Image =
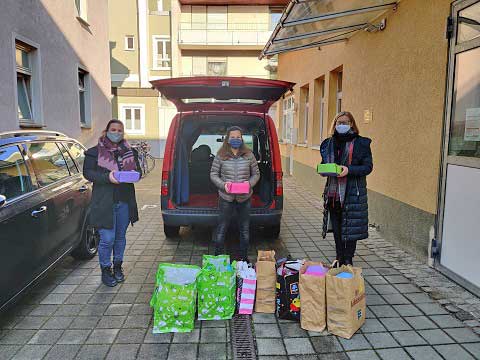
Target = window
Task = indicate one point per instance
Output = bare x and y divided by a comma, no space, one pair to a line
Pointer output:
469,23
130,43
161,53
84,97
81,9
14,178
160,5
319,111
70,164
275,15
217,66
77,153
287,118
133,117
48,162
305,94
339,91
25,90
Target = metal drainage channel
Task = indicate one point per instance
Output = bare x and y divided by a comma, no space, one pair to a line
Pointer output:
242,339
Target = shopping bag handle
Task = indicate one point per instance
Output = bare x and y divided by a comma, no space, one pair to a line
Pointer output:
335,262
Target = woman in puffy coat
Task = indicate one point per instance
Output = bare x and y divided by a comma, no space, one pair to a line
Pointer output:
345,195
234,163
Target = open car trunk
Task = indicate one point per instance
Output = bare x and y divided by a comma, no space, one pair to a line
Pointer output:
199,138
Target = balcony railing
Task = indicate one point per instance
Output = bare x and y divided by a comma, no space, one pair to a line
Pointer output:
223,34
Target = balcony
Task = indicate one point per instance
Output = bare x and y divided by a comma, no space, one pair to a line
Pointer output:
239,36
235,2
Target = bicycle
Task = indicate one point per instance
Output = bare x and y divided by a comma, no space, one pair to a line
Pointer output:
146,160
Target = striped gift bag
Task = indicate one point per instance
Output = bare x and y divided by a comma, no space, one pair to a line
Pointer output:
246,286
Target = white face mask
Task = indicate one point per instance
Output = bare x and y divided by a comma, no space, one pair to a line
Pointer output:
342,128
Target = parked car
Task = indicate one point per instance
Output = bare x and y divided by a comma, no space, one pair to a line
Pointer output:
44,202
206,107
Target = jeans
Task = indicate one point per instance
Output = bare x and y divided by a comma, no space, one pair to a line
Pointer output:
345,249
114,239
227,209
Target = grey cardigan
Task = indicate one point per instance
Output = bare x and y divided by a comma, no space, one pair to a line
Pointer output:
239,168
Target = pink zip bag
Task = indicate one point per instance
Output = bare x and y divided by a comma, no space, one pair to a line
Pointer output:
238,188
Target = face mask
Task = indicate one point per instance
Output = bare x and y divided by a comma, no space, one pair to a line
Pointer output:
342,129
115,137
235,143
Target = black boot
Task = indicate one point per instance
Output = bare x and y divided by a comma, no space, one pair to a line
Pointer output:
348,261
118,271
107,277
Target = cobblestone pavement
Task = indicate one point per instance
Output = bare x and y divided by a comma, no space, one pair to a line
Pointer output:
413,311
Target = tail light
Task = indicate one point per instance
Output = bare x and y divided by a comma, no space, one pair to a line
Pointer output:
165,176
279,184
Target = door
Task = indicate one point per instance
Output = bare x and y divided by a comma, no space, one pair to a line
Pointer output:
23,223
460,198
222,93
62,195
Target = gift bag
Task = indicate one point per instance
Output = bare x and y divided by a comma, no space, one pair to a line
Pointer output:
246,285
174,298
287,290
346,303
312,291
266,278
216,288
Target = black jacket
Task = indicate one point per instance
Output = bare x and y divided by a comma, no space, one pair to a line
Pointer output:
101,206
355,209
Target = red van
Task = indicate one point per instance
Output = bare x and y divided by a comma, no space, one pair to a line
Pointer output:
206,107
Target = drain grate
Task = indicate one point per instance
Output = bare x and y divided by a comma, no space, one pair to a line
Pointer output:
242,338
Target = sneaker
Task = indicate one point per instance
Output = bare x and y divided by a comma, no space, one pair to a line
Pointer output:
107,277
118,271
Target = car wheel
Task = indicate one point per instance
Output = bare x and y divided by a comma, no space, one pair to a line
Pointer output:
171,231
272,232
88,246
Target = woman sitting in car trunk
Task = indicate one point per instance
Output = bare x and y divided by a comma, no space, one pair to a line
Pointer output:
113,206
234,163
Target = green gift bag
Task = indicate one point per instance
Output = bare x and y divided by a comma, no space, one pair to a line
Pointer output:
216,288
174,299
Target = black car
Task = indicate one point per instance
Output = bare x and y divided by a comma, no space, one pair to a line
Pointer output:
44,202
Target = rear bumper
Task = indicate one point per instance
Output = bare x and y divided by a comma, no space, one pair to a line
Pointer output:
209,217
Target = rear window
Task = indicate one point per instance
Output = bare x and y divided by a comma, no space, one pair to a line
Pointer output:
14,178
223,101
48,163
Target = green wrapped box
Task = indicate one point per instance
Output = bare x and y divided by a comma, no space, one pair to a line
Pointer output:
329,169
216,288
174,299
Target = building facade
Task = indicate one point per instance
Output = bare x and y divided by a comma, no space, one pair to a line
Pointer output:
55,70
152,40
415,93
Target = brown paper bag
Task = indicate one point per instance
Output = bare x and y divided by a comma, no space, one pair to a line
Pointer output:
266,280
346,303
312,299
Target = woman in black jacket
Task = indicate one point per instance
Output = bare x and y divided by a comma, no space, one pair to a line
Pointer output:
113,206
345,196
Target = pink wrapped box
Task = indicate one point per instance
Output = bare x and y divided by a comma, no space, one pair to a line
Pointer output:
238,188
127,176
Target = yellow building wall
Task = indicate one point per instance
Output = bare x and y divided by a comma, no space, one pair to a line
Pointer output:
399,74
122,22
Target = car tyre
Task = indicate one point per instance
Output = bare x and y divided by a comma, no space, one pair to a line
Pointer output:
88,246
171,231
272,232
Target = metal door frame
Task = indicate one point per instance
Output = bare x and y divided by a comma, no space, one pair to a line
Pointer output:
453,50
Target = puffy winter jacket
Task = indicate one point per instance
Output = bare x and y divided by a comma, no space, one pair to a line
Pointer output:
355,208
232,168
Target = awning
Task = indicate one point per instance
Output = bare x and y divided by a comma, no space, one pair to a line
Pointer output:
311,23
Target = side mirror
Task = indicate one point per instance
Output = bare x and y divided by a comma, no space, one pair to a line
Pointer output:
3,200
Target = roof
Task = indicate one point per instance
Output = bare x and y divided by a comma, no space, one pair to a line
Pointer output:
11,137
313,23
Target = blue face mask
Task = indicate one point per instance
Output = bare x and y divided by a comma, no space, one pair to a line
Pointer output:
114,137
342,129
235,143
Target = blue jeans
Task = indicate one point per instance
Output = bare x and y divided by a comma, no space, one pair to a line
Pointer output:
114,239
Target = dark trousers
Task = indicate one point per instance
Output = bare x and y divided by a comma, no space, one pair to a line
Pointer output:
345,249
227,210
